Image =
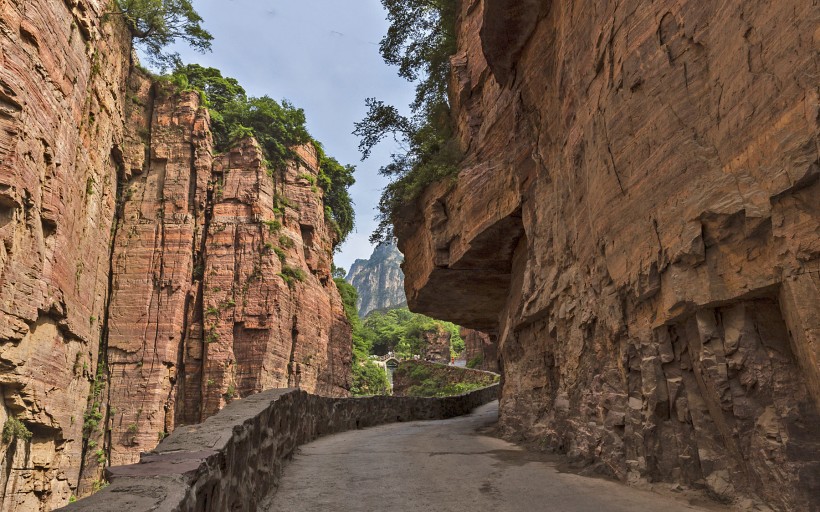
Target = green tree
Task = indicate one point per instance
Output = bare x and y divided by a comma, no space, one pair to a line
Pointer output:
402,332
222,94
221,91
368,377
156,24
420,41
336,180
338,272
277,127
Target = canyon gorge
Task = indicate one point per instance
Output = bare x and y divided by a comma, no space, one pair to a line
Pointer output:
637,220
632,242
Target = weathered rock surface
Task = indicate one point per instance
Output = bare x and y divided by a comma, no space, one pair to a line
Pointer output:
62,89
221,278
379,280
637,220
480,350
436,345
145,282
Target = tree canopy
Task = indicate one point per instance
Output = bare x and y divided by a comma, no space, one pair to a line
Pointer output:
402,332
156,24
420,40
336,180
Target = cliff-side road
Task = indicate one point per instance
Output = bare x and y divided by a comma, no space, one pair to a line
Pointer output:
445,466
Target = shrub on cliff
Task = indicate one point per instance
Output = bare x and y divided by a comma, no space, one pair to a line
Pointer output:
420,41
15,429
278,127
156,24
222,94
336,180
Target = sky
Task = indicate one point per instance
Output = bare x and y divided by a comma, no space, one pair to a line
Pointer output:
322,56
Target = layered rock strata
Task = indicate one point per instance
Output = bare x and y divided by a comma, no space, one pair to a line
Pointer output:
145,281
62,91
222,278
379,280
637,220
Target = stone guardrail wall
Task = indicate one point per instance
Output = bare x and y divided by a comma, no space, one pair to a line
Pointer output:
233,460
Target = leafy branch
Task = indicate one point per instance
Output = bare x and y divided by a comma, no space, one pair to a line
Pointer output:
156,24
420,40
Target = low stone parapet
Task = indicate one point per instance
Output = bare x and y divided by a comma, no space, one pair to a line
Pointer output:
235,458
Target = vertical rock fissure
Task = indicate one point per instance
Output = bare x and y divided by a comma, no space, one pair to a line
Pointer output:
159,282
200,303
209,212
102,363
609,151
293,378
187,315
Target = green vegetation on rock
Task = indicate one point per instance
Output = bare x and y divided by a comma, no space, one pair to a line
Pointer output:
420,41
420,378
399,331
402,332
292,275
278,127
368,377
15,429
476,361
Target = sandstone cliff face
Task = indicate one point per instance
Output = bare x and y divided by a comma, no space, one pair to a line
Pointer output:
221,275
62,78
638,221
480,350
144,281
379,280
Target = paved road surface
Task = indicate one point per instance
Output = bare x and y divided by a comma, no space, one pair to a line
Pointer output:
444,466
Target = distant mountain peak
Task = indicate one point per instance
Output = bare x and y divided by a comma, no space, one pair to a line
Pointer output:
379,280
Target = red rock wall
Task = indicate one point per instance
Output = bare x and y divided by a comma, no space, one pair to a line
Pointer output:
156,246
200,312
480,349
140,283
639,201
62,78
